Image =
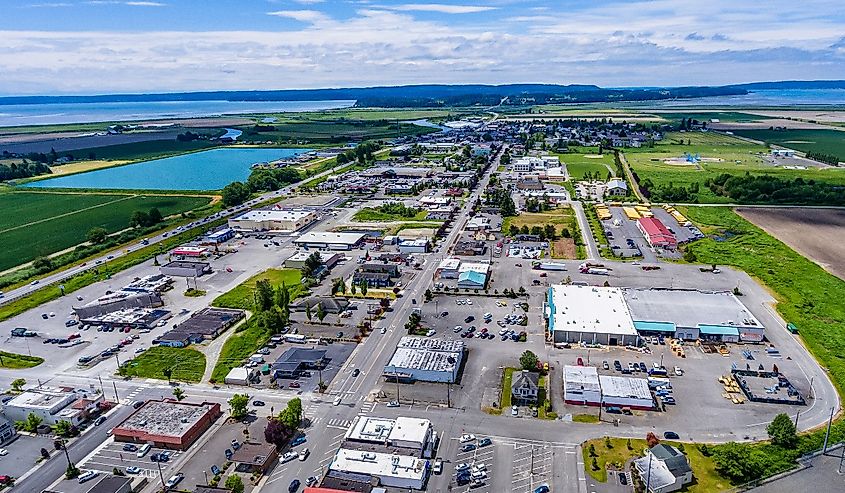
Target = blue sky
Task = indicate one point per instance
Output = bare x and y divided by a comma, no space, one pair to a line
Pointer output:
103,46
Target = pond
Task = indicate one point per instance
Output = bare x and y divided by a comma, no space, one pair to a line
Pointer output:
206,170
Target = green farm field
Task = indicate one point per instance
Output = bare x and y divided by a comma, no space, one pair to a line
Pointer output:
736,157
823,141
45,223
332,131
141,151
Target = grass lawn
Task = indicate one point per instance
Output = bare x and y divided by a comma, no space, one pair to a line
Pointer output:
560,217
62,220
816,140
368,214
579,164
241,297
18,361
507,378
705,477
187,365
736,157
585,418
246,341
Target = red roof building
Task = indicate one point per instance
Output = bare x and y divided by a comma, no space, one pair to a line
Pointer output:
656,233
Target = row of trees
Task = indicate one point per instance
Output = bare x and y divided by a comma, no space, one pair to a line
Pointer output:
146,219
282,427
272,306
502,199
774,190
669,192
25,169
546,232
822,157
260,180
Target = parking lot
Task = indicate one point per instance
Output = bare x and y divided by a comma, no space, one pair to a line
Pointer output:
113,455
23,452
619,229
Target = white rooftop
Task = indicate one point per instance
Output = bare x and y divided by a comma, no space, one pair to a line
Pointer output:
369,429
327,237
48,399
414,430
596,309
581,378
379,465
449,264
612,386
274,215
482,267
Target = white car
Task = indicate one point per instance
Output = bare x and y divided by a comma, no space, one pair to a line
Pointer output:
288,456
678,371
174,480
479,467
4,451
467,437
393,404
337,401
140,350
304,454
514,411
383,330
438,466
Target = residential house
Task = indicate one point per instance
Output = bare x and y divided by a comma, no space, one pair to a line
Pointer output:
616,187
525,387
373,279
664,468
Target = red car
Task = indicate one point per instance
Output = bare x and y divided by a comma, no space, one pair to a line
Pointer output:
294,385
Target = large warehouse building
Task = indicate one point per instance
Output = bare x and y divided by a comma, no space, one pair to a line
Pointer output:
281,220
331,241
589,314
617,316
426,359
656,233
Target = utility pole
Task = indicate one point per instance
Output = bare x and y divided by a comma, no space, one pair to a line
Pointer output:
827,433
116,398
161,477
100,378
796,419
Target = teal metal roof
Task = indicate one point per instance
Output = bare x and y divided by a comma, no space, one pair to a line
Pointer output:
721,330
472,276
655,326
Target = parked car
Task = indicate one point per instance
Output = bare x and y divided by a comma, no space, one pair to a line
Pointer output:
130,448
356,372
215,470
298,441
293,486
438,466
467,437
514,411
304,454
99,421
485,442
133,470
257,403
311,481
288,456
543,488
87,476
174,480
605,365
468,447
393,404
670,435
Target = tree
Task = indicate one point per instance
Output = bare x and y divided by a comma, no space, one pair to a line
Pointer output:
353,289
234,483
312,263
364,287
238,404
33,421
178,393
308,314
592,450
782,431
97,235
235,193
17,384
155,216
321,313
651,439
168,373
428,295
42,264
71,472
291,416
738,462
276,432
65,429
263,295
139,218
528,361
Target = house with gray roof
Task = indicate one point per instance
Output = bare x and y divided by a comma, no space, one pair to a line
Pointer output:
664,469
525,386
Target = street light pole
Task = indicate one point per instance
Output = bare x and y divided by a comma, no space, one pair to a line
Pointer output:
161,477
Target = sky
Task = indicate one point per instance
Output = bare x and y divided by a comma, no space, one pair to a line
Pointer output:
116,46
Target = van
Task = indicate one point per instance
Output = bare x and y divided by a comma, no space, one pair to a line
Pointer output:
88,476
143,450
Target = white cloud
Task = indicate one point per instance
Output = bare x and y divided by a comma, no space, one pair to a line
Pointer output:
441,8
662,42
310,16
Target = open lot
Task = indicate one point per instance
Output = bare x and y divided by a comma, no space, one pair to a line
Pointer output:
62,220
815,233
113,456
809,140
583,161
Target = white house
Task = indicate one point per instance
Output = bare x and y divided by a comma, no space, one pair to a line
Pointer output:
664,469
616,187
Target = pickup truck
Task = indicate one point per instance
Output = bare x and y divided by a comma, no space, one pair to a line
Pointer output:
22,332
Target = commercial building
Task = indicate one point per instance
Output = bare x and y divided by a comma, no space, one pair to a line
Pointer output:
656,233
295,360
219,236
327,259
419,245
7,431
117,302
330,241
478,223
185,268
403,436
392,471
692,314
470,248
209,323
448,268
426,359
190,251
329,304
529,164
665,467
254,457
626,392
589,314
168,424
581,385
373,279
280,220
47,403
471,280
